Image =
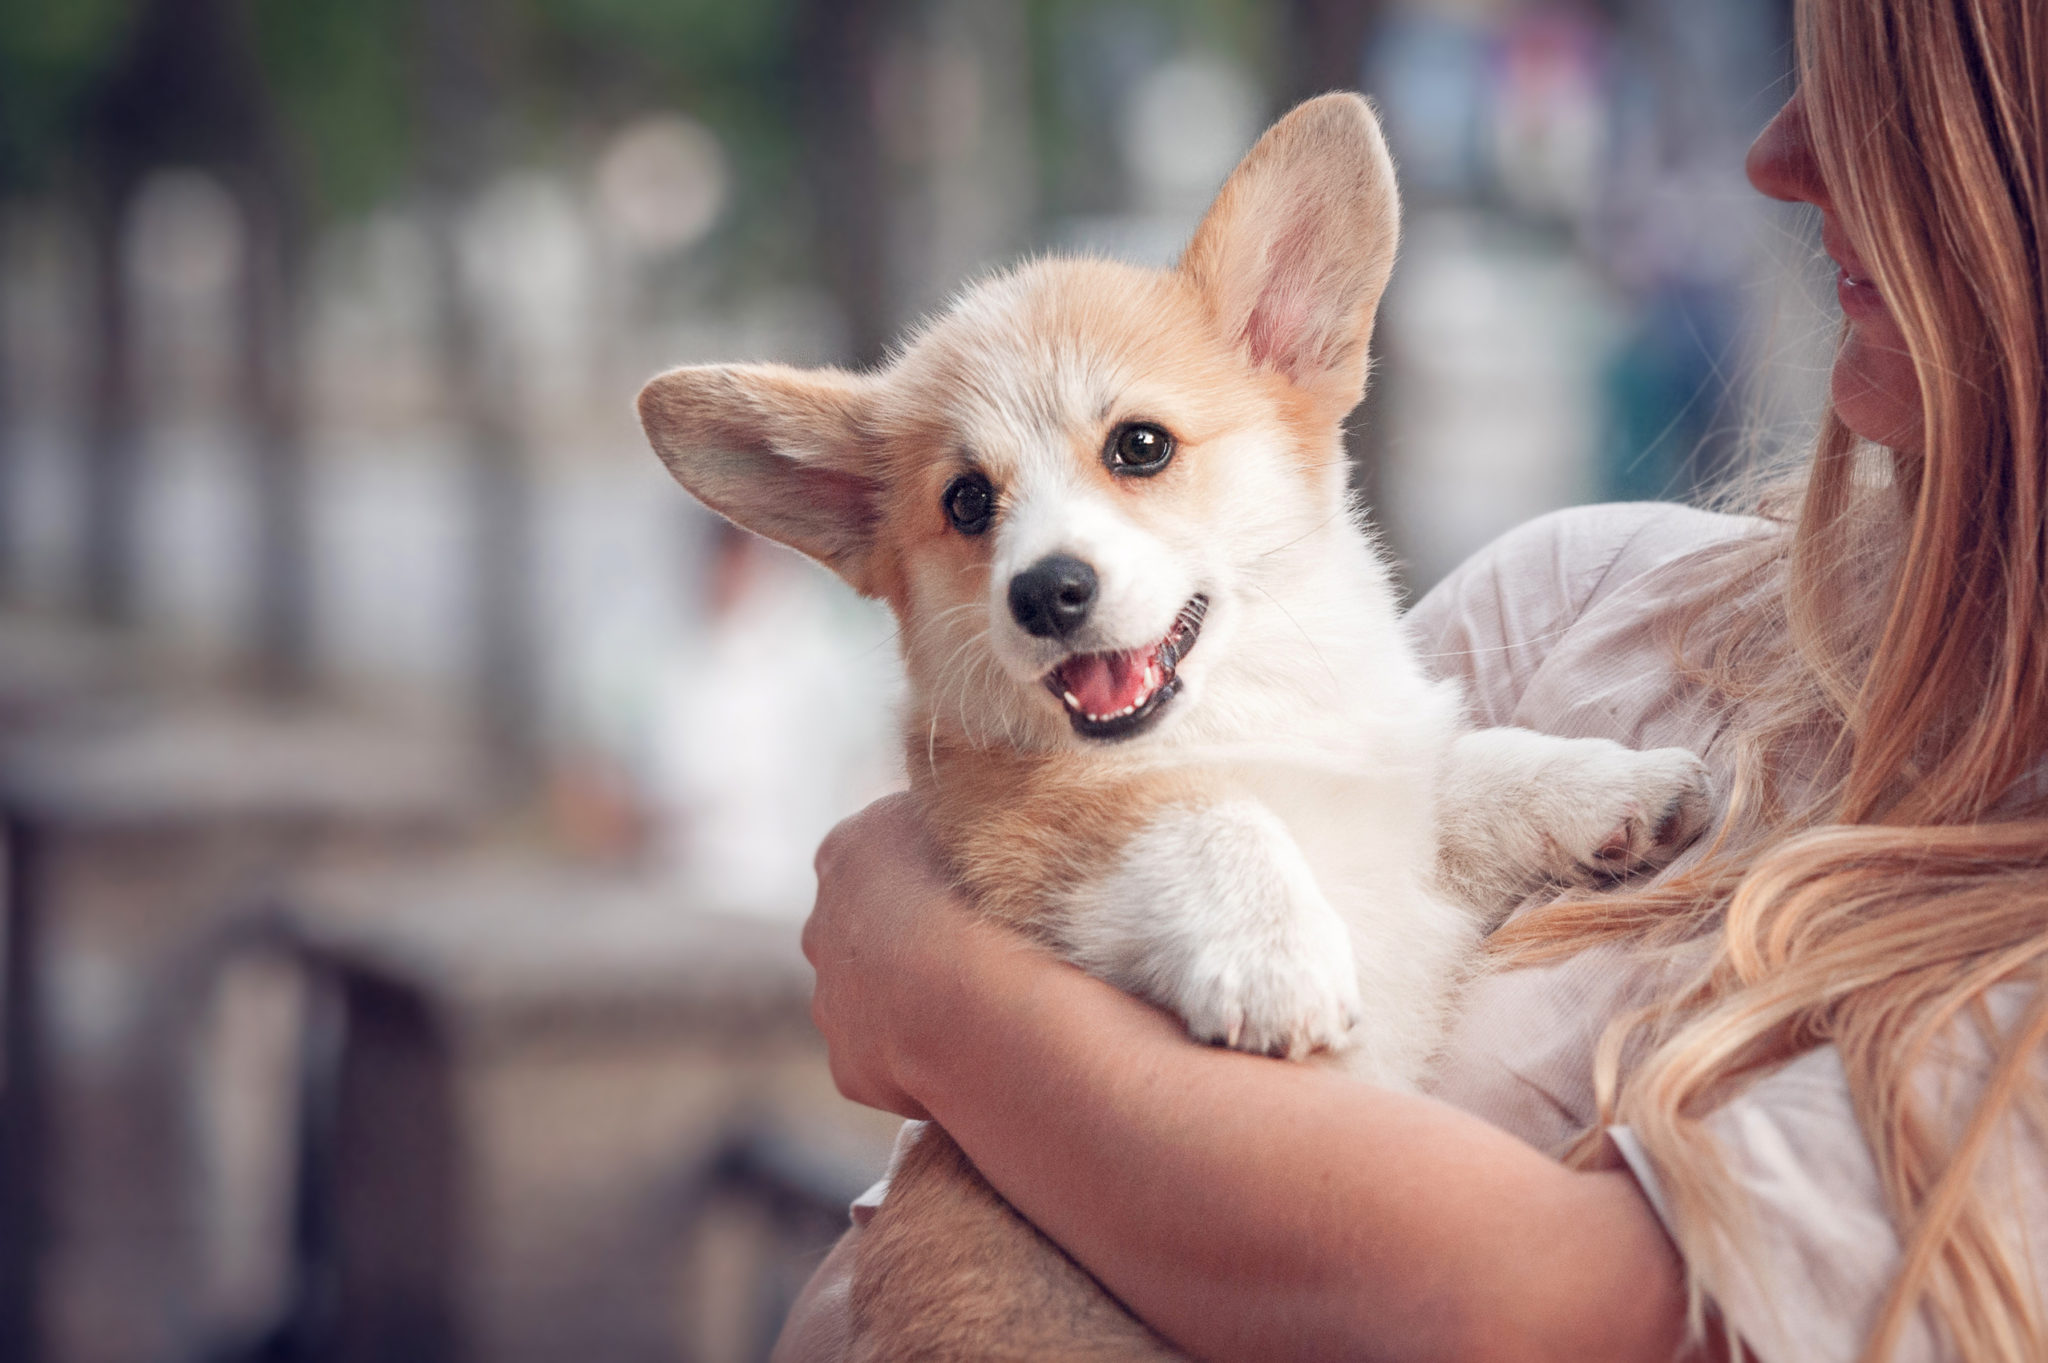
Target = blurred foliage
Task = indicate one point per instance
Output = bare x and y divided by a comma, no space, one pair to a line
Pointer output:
1084,55
337,70
587,65
51,53
339,73
705,41
728,63
343,78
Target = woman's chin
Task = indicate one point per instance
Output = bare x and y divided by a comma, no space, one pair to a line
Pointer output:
1875,390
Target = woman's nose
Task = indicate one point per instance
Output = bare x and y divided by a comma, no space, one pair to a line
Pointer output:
1781,163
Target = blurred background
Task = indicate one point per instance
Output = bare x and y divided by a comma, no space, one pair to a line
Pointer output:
408,793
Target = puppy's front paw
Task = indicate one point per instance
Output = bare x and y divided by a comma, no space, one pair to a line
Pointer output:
1649,807
1287,991
1214,914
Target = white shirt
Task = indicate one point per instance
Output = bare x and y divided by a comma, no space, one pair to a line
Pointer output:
1563,626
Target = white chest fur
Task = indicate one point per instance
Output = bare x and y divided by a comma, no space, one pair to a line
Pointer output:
1293,910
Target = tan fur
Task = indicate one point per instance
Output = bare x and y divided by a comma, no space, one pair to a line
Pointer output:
725,414
948,1271
1019,829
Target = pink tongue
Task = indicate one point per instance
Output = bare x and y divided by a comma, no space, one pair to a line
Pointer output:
1105,683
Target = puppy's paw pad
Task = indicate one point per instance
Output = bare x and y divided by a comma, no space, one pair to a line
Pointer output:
1664,803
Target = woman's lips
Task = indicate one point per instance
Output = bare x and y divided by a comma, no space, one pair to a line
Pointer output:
1859,296
1853,286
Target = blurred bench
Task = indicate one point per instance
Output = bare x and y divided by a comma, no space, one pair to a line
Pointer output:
558,1115
140,825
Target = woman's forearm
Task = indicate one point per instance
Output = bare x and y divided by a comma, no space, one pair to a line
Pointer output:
1253,1209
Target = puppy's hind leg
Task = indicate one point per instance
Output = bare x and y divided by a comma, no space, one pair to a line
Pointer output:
948,1272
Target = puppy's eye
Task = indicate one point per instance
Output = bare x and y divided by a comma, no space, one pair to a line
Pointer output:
1138,448
970,503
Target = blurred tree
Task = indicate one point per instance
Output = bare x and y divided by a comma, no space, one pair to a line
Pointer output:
189,89
588,66
50,56
1326,43
7,471
461,72
1087,57
336,70
839,49
94,94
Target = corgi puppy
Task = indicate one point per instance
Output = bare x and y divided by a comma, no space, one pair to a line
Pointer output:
1163,716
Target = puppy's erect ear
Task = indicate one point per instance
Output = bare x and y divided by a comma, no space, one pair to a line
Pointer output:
1295,252
775,450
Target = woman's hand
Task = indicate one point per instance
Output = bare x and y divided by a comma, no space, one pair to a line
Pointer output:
888,937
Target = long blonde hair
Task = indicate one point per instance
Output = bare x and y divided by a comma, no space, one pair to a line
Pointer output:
1883,664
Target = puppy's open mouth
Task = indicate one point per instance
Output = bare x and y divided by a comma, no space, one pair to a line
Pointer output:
1117,695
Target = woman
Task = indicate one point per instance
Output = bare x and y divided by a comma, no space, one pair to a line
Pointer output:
1791,1094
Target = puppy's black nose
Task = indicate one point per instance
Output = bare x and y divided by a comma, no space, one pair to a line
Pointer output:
1052,596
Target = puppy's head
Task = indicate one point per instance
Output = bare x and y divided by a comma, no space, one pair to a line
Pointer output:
1079,487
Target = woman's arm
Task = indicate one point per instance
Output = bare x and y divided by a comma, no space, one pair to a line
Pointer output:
1245,1207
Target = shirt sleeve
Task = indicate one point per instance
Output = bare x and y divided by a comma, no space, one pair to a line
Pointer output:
1811,1269
1492,623
868,1203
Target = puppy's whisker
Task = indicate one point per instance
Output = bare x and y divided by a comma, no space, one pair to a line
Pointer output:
990,677
954,678
969,642
970,675
1317,529
895,636
1306,637
945,617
